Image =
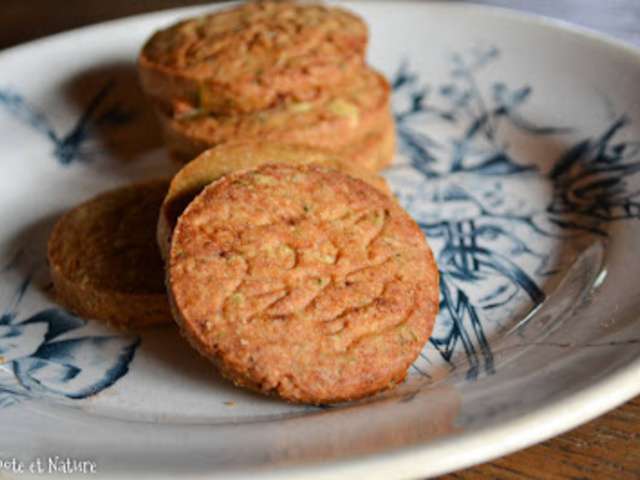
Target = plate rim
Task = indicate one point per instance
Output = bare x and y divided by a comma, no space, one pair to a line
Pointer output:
481,445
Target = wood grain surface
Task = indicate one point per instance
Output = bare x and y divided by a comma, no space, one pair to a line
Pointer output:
606,448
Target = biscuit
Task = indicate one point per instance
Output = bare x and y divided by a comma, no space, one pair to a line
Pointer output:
224,159
332,124
104,260
254,56
375,151
303,282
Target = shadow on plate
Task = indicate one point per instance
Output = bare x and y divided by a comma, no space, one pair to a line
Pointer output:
115,109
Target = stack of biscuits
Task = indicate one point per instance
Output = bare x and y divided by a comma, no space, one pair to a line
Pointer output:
280,72
277,249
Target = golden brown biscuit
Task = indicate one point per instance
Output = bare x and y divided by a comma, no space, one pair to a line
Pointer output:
104,260
224,159
333,124
376,150
304,282
254,56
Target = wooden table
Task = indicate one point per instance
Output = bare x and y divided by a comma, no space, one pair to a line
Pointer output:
608,447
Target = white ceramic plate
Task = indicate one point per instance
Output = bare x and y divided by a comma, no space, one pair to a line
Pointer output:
519,154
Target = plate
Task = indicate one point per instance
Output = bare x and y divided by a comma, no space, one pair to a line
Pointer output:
519,156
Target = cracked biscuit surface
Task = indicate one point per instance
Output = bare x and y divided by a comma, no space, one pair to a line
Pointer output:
304,282
104,260
254,56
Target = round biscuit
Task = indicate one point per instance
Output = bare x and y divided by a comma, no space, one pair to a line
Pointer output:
333,124
254,56
104,259
303,282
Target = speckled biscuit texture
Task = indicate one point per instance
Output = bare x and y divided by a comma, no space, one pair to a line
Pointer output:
214,163
254,56
375,151
104,260
335,124
304,282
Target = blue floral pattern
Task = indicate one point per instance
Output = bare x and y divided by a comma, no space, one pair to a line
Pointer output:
465,189
68,147
457,175
49,354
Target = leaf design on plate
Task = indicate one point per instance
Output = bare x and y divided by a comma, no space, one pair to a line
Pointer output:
67,146
491,214
58,321
37,358
24,338
76,368
17,341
